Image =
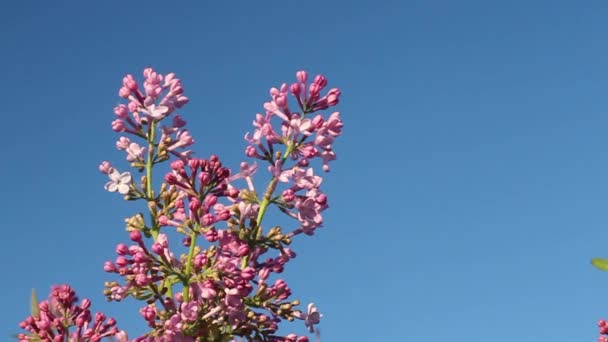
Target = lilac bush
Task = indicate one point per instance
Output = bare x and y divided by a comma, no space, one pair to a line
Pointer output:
220,288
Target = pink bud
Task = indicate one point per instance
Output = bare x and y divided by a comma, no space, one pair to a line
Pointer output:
100,317
264,273
109,267
163,220
106,168
129,82
194,164
118,125
148,313
321,81
223,173
295,89
211,235
333,97
302,76
157,248
135,236
178,122
281,101
142,280
200,260
124,92
171,179
169,78
121,261
288,195
176,89
177,165
210,201
204,178
133,106
80,320
251,152
314,90
232,193
248,273
181,101
121,111
321,199
147,72
194,204
223,215
122,249
111,322
243,250
123,143
207,220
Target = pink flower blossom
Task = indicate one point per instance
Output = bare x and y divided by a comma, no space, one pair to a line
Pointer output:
123,143
312,317
157,112
119,182
135,152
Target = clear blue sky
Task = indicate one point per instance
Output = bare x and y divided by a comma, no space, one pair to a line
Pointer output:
470,190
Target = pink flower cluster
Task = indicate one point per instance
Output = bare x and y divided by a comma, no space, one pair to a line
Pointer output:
603,327
52,319
221,282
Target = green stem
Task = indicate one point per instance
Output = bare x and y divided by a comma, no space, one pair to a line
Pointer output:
264,206
186,282
266,200
149,165
268,194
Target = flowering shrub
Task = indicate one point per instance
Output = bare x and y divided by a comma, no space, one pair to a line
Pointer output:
220,287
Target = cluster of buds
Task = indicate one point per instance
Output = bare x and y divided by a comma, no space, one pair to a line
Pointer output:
224,283
60,319
603,328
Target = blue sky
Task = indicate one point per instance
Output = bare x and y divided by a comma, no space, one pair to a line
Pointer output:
470,190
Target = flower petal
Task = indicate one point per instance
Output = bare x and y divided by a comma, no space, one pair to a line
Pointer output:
111,186
123,188
125,177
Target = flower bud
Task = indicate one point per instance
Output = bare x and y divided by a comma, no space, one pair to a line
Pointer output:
302,76
135,236
122,249
121,111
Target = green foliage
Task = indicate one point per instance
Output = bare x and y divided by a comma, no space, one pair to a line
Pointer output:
600,263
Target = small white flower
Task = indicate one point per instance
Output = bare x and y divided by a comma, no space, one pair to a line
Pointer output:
135,152
312,317
119,182
157,112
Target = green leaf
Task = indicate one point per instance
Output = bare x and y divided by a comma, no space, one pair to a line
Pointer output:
34,305
600,264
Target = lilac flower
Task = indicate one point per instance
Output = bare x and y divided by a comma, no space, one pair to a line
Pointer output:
119,182
135,152
157,112
190,311
312,317
123,143
184,139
